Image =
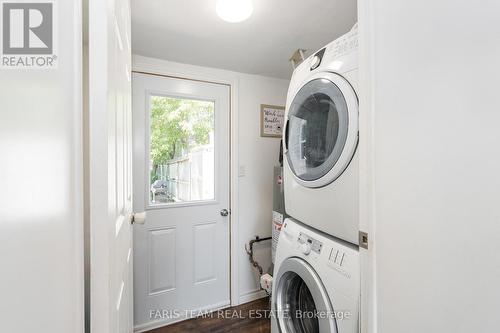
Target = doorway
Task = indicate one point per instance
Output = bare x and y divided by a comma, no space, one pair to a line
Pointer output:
181,160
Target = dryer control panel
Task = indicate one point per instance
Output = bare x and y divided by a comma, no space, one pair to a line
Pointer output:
344,44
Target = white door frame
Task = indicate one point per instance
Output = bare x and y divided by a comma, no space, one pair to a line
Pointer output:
367,200
188,72
104,29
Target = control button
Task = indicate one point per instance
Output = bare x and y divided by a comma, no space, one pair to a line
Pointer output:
302,238
316,247
305,248
315,61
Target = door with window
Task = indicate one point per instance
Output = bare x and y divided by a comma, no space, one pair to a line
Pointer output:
181,178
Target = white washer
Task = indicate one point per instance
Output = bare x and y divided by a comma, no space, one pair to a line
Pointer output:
321,138
316,283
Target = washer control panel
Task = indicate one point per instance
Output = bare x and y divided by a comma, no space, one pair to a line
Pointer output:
308,244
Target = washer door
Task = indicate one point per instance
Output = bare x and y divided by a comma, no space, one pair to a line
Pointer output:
302,304
321,132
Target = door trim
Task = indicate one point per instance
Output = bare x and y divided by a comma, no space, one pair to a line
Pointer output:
156,67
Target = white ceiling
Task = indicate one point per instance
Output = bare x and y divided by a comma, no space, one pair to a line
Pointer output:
189,31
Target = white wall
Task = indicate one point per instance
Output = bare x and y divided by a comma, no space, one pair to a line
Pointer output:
430,104
257,155
41,227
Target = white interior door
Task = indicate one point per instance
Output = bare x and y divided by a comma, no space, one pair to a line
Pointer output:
110,166
181,177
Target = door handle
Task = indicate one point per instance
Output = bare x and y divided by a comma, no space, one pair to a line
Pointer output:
138,218
224,212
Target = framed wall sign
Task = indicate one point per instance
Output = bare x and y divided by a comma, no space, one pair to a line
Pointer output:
272,118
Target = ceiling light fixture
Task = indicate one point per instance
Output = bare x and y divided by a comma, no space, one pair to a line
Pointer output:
234,11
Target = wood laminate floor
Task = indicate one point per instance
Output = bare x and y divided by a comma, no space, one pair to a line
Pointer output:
251,317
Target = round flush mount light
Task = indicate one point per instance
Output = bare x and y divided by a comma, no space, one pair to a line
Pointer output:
234,10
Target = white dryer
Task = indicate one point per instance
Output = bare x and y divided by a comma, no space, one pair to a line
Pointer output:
321,138
316,283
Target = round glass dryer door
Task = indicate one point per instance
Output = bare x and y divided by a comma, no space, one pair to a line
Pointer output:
302,304
321,129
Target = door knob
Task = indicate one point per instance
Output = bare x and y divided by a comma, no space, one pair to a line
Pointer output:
139,218
224,212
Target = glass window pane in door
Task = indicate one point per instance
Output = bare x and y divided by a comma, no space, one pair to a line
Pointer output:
182,150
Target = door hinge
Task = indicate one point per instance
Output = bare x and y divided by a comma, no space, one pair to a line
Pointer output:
363,239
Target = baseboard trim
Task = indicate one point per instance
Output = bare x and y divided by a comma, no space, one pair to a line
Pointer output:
169,321
252,296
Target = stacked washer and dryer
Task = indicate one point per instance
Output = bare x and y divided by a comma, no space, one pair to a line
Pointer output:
316,284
